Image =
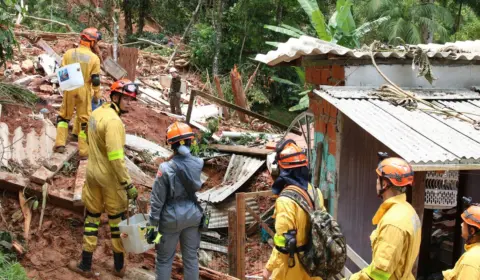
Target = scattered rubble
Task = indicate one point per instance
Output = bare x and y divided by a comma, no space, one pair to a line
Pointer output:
234,152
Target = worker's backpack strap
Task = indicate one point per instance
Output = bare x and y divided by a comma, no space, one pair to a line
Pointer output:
300,196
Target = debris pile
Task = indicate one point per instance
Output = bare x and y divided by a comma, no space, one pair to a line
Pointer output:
47,237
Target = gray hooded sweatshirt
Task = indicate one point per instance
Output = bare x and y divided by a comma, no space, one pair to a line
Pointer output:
172,208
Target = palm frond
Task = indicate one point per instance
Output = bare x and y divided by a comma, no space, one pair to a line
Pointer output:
273,44
302,104
309,6
282,30
368,26
395,29
300,73
318,22
292,28
412,34
285,82
344,17
374,6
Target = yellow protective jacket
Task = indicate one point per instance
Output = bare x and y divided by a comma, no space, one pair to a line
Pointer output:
90,64
395,242
289,216
106,137
468,266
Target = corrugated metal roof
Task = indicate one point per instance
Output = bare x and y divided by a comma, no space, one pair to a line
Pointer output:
366,92
240,169
307,46
419,137
219,213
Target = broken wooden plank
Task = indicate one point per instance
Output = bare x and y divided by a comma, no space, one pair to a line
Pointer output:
238,93
114,69
17,183
259,220
152,94
241,150
140,144
221,96
213,247
137,175
53,165
212,98
79,182
46,47
139,274
27,215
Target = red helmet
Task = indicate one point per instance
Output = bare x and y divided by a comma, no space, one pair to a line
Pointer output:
289,155
91,34
179,131
125,87
396,170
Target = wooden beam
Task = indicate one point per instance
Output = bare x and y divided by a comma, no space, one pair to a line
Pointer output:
53,165
214,99
232,242
242,150
258,194
17,183
259,220
355,258
418,203
240,199
191,103
79,182
221,96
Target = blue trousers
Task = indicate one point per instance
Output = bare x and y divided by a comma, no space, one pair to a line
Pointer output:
189,244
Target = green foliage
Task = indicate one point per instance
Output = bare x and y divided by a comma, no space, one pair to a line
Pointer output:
11,269
410,20
202,43
213,125
7,38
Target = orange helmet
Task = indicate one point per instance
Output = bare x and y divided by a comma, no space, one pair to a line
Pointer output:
397,170
125,87
289,155
91,34
471,216
179,131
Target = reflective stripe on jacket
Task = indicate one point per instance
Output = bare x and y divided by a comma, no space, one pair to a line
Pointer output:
395,242
290,216
106,136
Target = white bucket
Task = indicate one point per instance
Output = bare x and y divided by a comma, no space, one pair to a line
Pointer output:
135,241
70,77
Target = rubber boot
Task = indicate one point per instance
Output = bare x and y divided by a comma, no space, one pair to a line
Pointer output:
83,268
118,265
61,139
82,142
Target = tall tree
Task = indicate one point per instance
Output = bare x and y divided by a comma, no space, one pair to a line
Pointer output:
142,14
217,22
128,13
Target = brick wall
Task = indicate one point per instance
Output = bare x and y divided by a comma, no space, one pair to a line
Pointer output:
332,75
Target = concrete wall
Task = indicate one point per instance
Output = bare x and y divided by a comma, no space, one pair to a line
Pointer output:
450,76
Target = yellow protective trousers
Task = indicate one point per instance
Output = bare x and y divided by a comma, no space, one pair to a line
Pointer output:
97,198
81,101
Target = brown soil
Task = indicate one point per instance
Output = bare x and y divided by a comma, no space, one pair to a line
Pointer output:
215,169
15,116
60,241
145,122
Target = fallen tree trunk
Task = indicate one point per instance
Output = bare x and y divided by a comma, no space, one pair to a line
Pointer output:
27,214
238,93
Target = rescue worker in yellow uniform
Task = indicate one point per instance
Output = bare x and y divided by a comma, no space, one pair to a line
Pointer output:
396,240
294,173
80,99
468,266
108,185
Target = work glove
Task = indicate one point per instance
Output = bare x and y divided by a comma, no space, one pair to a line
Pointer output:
132,192
152,235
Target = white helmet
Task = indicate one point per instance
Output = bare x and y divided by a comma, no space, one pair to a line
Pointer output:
172,70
